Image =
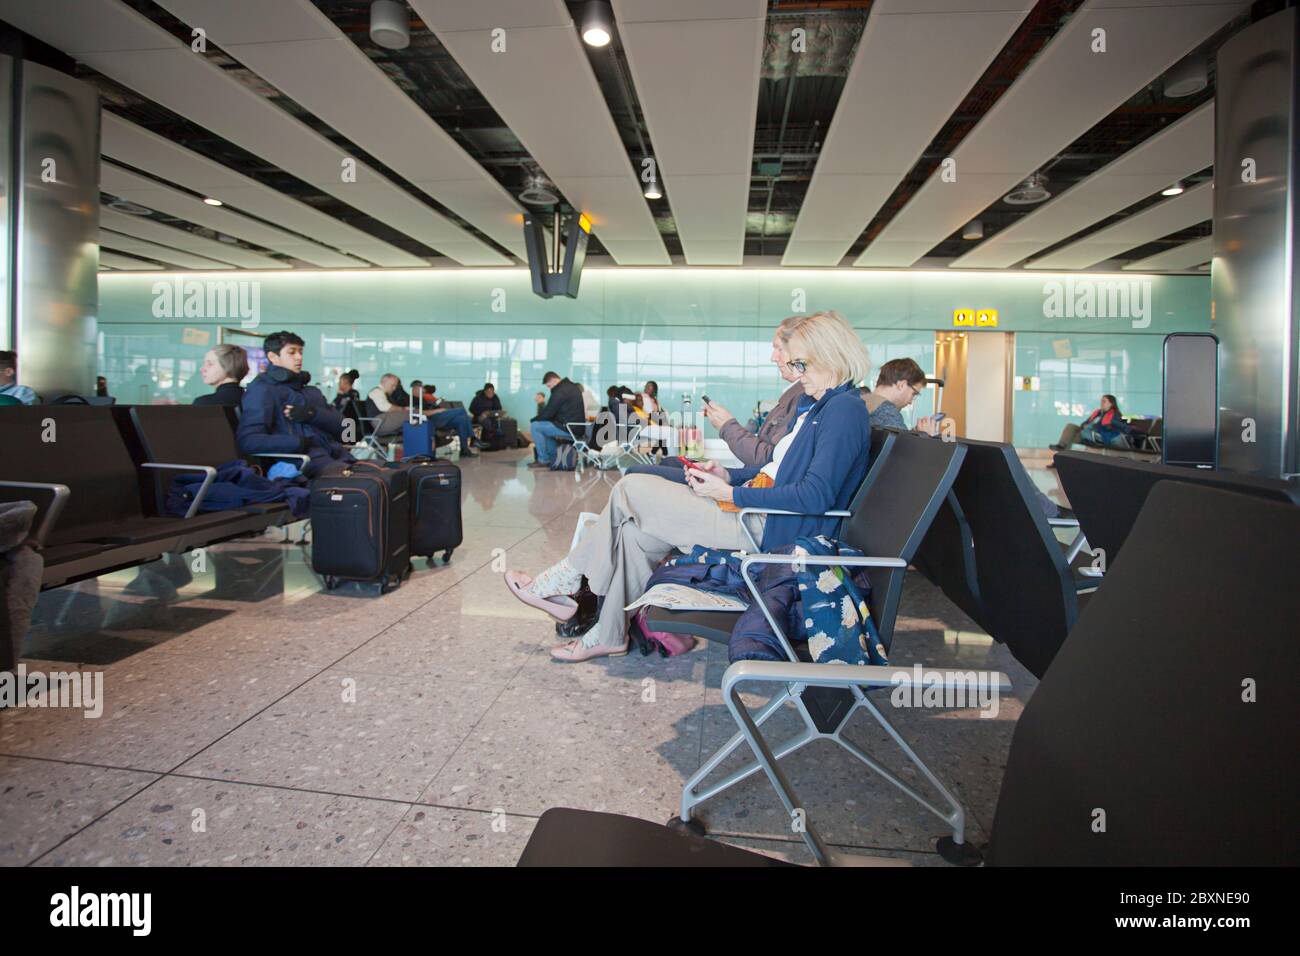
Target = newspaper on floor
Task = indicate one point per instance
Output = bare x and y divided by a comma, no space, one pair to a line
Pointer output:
678,597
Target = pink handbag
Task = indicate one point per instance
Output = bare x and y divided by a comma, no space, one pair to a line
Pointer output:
669,645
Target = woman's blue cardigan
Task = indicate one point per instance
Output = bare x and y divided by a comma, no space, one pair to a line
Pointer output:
820,472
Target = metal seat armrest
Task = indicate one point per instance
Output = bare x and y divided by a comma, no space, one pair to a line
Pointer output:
59,498
856,675
749,533
209,476
1063,522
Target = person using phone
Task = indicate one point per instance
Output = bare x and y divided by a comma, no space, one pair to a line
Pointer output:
753,450
816,467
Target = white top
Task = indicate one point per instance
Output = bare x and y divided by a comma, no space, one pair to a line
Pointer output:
783,446
380,399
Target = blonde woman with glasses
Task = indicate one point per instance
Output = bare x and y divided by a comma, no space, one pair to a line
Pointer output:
816,467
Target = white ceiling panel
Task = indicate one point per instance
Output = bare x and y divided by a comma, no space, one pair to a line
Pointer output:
302,53
176,238
138,147
1155,222
1178,259
543,88
915,63
124,262
1174,153
173,257
148,192
696,69
125,46
1063,93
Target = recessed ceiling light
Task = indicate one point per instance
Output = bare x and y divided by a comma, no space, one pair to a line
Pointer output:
1174,190
213,202
974,230
597,23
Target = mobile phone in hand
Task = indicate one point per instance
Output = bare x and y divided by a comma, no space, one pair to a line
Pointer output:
688,463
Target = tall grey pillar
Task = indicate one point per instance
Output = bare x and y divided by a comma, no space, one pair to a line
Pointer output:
49,209
1255,284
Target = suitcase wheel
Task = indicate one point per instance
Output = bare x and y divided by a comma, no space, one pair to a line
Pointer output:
331,582
446,556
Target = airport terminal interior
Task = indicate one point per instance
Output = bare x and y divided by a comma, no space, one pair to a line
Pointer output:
649,433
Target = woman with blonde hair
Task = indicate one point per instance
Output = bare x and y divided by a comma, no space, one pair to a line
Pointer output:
815,468
223,368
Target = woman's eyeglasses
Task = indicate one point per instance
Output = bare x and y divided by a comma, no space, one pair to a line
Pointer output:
798,366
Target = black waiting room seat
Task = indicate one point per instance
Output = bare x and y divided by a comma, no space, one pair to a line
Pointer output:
993,553
1168,708
1108,493
193,434
887,520
74,463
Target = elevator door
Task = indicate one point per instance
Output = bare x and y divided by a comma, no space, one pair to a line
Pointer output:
976,368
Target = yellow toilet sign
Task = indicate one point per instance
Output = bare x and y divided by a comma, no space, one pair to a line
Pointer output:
975,318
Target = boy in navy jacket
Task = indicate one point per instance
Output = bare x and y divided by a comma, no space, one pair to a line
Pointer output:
283,414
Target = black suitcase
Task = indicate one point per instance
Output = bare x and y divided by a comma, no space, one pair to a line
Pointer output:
507,433
361,526
501,433
435,507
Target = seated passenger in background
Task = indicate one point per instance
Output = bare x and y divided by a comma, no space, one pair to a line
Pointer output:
443,417
223,368
485,402
9,387
485,411
284,414
1105,426
347,391
565,405
816,467
752,449
900,381
392,404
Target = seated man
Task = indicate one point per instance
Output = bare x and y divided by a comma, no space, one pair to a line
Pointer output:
485,409
283,414
565,405
440,416
9,387
900,381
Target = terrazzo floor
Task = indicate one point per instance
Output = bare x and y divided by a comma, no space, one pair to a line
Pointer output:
250,717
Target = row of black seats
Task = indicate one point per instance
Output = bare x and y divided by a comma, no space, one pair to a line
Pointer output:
99,477
1167,704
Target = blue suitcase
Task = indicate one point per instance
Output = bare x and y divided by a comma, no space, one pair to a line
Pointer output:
417,431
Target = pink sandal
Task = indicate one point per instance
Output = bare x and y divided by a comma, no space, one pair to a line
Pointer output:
560,608
574,652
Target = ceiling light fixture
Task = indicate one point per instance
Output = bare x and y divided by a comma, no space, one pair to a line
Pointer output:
390,25
974,230
652,190
1175,190
213,202
1032,190
597,23
1188,77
